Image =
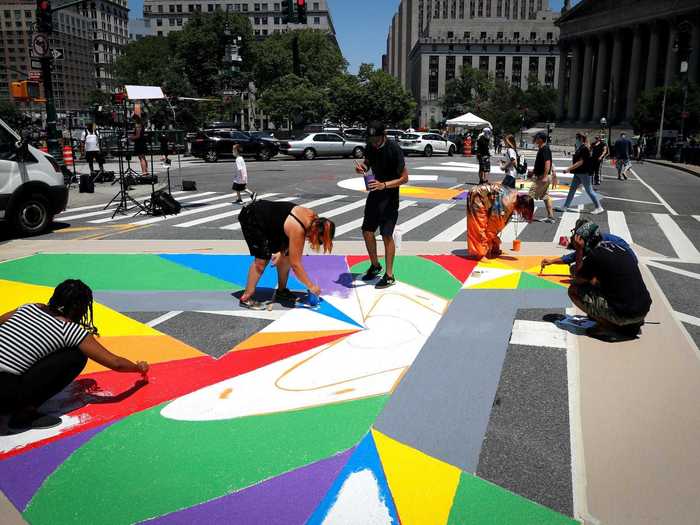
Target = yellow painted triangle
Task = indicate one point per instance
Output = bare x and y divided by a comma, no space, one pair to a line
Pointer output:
108,321
506,282
493,263
262,339
423,487
556,270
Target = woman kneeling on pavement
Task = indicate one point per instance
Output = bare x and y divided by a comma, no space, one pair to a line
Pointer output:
608,285
43,348
277,231
489,209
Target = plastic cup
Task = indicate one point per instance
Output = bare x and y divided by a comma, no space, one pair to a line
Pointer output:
369,177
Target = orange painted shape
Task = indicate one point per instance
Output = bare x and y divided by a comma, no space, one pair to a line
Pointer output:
149,348
421,192
263,339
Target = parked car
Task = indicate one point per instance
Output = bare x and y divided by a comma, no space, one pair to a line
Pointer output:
426,144
356,134
315,145
394,134
213,144
32,188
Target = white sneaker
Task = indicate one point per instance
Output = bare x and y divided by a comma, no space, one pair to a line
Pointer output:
597,211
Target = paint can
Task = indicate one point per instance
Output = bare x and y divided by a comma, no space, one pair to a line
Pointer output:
564,241
517,243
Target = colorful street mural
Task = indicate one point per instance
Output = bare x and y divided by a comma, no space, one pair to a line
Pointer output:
260,417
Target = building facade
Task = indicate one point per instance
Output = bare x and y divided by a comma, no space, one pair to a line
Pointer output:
110,23
73,76
139,28
615,50
265,17
430,41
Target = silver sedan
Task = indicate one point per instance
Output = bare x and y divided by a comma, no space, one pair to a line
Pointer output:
315,145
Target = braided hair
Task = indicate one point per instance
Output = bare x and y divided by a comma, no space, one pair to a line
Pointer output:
73,299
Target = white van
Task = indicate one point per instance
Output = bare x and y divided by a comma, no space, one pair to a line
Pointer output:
32,189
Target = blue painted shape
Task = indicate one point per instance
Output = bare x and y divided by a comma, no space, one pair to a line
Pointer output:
365,457
231,268
325,308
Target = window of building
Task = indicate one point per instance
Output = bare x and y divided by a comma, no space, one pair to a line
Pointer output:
171,8
461,9
159,33
263,7
159,22
472,8
436,12
515,9
450,67
256,7
257,32
179,8
533,36
317,20
277,20
483,63
499,35
516,36
480,10
500,67
550,36
453,9
171,21
466,61
450,34
488,8
179,21
210,8
256,21
160,10
483,35
433,72
264,32
316,6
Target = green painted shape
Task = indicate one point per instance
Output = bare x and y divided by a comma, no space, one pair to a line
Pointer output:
532,282
118,272
146,465
480,502
421,273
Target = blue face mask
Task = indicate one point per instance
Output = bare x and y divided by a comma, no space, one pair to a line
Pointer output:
578,143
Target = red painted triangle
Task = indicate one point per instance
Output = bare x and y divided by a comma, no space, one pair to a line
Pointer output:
354,259
460,267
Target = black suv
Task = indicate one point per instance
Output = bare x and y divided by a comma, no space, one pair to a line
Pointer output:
213,144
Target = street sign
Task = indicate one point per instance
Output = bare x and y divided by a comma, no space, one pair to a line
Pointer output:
35,75
57,53
40,45
35,63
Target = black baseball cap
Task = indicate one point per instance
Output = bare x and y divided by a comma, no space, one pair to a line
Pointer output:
541,135
375,129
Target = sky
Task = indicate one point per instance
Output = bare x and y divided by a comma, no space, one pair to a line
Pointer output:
361,27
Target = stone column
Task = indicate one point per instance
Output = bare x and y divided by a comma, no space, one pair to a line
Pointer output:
600,101
574,83
587,82
694,63
653,57
672,64
563,52
615,78
633,82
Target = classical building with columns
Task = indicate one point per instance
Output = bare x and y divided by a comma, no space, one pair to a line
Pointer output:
430,41
613,50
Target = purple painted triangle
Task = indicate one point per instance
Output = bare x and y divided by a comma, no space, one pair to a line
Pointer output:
21,476
288,499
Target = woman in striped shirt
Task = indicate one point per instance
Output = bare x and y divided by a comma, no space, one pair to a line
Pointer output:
43,348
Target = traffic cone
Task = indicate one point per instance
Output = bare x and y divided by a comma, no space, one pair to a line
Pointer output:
613,162
67,155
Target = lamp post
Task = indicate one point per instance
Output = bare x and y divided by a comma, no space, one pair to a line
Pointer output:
605,126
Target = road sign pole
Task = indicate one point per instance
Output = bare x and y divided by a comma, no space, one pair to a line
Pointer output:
51,124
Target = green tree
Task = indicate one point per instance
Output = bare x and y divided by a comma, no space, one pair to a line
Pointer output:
384,98
201,45
10,113
647,115
502,108
296,99
468,92
540,101
320,58
346,96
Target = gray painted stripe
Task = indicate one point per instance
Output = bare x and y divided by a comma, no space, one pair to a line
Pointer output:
453,381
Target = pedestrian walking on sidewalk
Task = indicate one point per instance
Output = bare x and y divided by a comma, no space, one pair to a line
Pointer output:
91,143
240,175
543,175
483,154
623,154
581,168
386,161
599,150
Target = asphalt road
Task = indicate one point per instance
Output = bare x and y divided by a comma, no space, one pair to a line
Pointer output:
657,209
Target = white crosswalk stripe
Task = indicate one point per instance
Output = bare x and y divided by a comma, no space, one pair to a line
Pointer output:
237,225
212,218
617,224
321,202
354,225
203,209
136,213
344,209
96,206
424,217
566,224
452,233
683,246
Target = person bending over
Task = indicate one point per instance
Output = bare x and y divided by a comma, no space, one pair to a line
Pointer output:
571,258
608,285
489,209
277,232
43,348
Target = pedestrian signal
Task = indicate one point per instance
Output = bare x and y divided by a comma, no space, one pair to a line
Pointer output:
24,90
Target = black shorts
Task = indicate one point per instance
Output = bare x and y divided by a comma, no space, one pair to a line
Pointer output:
255,238
239,187
382,214
485,164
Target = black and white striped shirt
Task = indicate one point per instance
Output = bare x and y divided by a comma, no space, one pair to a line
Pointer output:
31,334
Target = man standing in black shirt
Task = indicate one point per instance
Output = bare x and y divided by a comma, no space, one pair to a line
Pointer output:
385,159
543,175
599,150
608,285
483,155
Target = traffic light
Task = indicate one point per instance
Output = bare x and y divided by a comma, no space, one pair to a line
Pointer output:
43,16
24,90
301,11
288,12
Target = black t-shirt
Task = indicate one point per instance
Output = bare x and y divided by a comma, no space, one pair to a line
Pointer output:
387,163
584,154
544,154
597,150
482,146
620,280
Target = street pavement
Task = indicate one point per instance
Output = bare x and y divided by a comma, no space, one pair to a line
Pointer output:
657,209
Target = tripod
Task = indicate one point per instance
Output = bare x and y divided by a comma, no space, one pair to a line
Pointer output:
125,200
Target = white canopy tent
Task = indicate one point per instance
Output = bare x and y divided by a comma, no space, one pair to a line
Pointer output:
469,120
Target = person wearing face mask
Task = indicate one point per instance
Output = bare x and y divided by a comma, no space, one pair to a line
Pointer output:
581,168
386,160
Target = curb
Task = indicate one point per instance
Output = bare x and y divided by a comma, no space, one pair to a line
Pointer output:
679,167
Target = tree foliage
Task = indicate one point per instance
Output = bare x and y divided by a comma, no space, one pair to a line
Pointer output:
296,99
384,98
647,115
467,92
